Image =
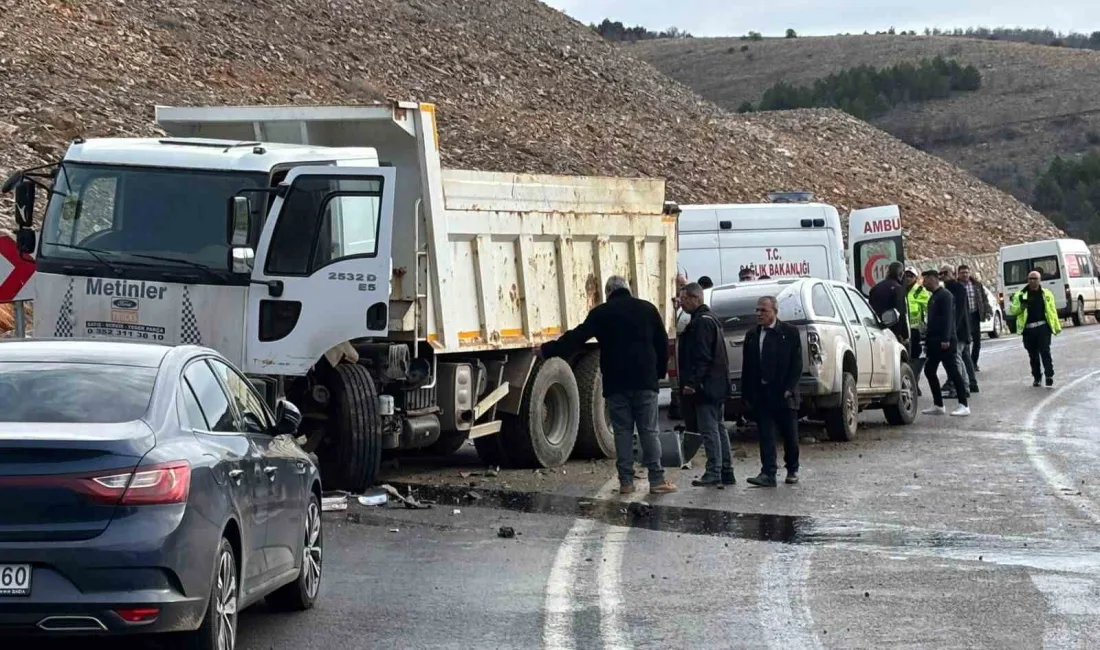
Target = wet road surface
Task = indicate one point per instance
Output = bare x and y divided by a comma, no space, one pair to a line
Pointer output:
980,532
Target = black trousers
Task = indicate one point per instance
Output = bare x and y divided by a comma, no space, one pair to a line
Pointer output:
916,352
975,336
948,357
769,419
1037,344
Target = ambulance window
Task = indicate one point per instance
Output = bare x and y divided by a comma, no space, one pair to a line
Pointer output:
823,307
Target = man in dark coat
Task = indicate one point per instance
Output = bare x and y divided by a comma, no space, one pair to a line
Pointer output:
980,310
941,343
771,366
961,303
889,294
704,381
633,359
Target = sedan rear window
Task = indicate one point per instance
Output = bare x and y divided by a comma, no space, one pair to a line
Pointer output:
74,392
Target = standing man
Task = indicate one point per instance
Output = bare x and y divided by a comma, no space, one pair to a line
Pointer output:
770,369
941,343
633,359
1037,320
705,282
917,305
979,311
962,325
704,380
890,294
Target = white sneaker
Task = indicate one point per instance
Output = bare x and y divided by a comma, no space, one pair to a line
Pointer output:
934,410
961,411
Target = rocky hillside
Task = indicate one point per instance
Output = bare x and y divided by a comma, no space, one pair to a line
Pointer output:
520,87
1035,102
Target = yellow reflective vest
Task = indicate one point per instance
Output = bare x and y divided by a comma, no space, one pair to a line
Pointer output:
917,299
1018,307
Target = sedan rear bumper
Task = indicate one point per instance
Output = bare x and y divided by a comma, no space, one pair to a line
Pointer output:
99,614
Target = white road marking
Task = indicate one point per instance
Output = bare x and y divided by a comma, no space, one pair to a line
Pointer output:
1071,602
557,631
1053,477
612,631
784,606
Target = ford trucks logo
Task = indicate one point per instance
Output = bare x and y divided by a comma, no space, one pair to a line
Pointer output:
123,303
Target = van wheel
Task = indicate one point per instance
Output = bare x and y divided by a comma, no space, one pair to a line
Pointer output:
1078,315
841,422
595,438
545,431
904,408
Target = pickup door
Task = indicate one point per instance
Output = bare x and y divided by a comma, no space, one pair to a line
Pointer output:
881,348
861,339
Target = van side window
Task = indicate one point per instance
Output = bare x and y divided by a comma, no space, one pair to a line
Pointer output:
1083,267
1048,267
823,307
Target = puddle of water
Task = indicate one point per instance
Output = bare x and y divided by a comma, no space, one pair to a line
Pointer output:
1046,554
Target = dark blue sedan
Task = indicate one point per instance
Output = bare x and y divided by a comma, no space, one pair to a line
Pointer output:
146,488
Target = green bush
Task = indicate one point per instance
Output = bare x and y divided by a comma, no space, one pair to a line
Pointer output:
1069,192
867,92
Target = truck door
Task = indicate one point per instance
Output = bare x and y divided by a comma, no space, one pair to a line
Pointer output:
322,270
874,241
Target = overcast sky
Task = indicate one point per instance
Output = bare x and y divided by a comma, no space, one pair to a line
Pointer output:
773,17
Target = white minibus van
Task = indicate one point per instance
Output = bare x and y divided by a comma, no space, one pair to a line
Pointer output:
1067,270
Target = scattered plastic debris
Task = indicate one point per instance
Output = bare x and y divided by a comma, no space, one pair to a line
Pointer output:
374,497
410,502
506,532
395,530
334,502
492,472
456,511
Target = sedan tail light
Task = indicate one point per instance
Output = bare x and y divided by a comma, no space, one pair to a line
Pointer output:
151,485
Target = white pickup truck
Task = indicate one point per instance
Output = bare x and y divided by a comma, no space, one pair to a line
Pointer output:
327,252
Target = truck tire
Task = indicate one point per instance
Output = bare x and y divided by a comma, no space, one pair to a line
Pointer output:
352,460
1078,315
904,409
841,422
595,439
545,431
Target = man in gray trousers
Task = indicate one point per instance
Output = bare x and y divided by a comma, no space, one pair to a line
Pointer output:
633,359
704,382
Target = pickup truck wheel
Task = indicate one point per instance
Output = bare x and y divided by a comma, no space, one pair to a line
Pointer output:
352,460
841,422
998,326
904,408
545,431
595,439
1078,316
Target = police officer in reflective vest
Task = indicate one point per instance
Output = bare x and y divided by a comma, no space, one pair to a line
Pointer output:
916,298
1037,320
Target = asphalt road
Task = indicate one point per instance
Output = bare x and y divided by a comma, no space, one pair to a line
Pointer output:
950,533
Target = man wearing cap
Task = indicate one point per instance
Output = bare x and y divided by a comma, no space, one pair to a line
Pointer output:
916,299
1037,320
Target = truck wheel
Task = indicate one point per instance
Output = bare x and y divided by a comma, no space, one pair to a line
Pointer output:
595,439
904,411
353,459
545,431
841,422
1078,316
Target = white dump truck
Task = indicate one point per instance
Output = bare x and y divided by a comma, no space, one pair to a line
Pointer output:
326,251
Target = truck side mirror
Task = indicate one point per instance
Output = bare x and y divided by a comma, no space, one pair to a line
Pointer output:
24,203
240,221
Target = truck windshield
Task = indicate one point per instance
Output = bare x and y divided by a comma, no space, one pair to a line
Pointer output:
178,214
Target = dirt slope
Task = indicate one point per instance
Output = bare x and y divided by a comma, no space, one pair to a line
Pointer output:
1036,101
520,87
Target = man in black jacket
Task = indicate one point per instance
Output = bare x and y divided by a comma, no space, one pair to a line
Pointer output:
941,341
633,359
704,381
964,334
771,366
889,294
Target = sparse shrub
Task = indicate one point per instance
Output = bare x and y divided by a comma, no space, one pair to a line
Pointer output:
744,48
746,107
1093,138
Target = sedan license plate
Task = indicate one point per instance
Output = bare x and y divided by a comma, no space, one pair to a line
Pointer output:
15,579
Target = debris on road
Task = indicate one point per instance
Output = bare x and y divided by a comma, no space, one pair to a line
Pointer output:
640,509
334,502
374,497
410,502
456,511
473,496
395,530
506,532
